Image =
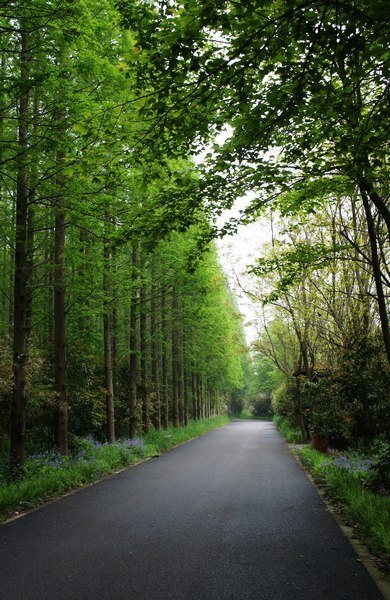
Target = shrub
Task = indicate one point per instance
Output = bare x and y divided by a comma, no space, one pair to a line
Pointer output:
261,406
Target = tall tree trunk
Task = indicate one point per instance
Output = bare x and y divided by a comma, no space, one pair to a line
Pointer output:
31,224
175,361
49,283
107,318
6,289
199,397
193,395
164,359
144,357
29,267
185,395
133,344
17,416
367,191
114,328
381,298
185,382
155,360
60,366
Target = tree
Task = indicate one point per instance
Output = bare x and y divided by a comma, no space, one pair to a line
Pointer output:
296,112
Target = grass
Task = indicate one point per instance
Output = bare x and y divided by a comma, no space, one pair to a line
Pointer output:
291,434
343,478
49,474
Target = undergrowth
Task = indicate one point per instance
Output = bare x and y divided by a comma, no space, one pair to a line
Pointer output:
343,478
291,434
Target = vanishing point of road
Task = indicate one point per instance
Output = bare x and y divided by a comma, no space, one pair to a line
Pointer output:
228,516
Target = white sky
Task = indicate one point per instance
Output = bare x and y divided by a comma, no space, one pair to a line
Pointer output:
238,251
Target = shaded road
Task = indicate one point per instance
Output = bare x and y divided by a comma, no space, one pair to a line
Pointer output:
228,516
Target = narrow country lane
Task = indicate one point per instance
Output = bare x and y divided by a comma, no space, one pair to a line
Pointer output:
229,515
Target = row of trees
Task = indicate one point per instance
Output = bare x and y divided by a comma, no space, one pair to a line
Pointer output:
102,292
102,104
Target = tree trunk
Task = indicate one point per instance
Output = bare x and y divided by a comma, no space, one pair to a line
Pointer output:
199,397
30,227
185,395
164,360
60,366
108,367
381,298
114,328
133,345
193,395
175,361
144,358
18,402
155,361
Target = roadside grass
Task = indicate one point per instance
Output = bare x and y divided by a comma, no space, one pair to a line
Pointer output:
291,434
342,477
47,475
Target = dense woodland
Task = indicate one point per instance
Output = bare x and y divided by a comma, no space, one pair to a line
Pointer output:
115,316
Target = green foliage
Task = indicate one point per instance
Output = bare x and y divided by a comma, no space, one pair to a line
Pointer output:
318,106
86,392
290,433
285,401
323,409
367,511
350,403
5,390
291,262
261,406
379,474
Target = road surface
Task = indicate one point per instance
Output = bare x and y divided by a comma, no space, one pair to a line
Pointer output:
228,516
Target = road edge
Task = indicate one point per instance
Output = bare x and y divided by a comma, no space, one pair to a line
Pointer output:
363,555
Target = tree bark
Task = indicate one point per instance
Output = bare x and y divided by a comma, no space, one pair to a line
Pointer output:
185,395
144,358
18,402
175,361
164,359
133,344
193,395
60,364
381,298
108,365
155,360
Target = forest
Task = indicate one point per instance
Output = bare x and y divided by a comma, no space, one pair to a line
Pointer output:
127,128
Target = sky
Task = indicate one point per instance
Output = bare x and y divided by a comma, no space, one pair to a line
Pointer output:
238,251
235,253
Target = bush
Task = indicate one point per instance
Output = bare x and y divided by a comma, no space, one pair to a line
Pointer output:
379,474
284,400
261,406
291,434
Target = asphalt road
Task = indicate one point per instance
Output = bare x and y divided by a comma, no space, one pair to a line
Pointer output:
228,516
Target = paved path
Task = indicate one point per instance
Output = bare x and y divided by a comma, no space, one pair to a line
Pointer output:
228,516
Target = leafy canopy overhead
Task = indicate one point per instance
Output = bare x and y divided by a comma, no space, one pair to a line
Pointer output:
302,86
